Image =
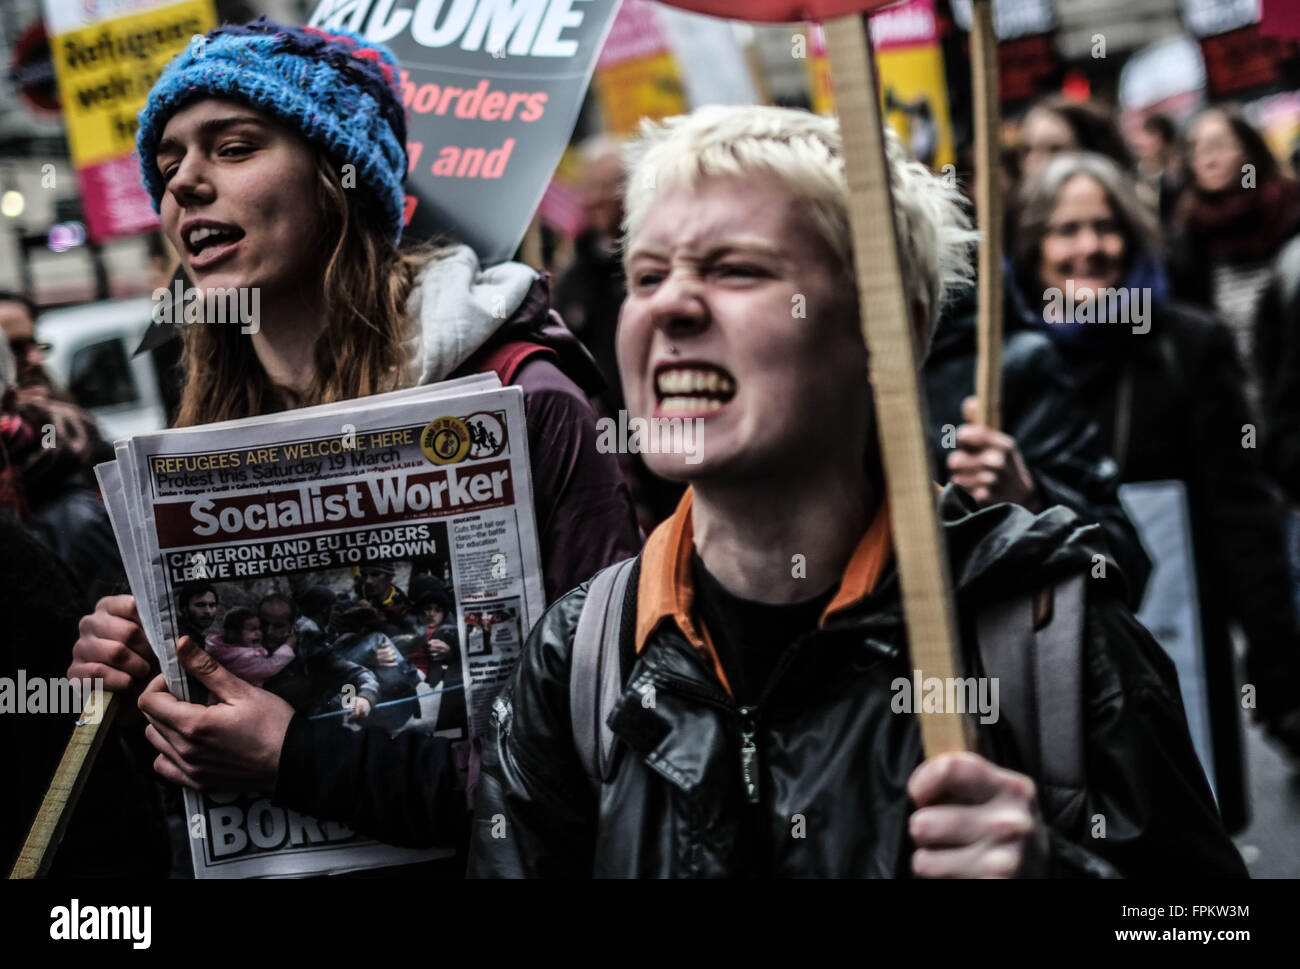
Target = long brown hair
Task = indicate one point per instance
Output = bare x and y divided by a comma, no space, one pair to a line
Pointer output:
362,349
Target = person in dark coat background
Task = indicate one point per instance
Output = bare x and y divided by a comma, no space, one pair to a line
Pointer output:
1277,360
590,290
1277,329
117,828
1166,391
1056,455
1159,152
1235,213
57,459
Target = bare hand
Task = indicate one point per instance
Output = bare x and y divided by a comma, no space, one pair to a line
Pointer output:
988,464
233,745
438,650
360,709
112,645
386,655
975,820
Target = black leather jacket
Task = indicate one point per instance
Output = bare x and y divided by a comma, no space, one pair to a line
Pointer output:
1043,411
831,751
1277,361
1170,406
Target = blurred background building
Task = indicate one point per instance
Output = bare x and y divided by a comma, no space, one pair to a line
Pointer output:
1139,55
44,248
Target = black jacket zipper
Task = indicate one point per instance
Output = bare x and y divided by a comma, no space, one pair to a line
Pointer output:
747,716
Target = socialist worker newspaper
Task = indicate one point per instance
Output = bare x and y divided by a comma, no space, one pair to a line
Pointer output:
373,563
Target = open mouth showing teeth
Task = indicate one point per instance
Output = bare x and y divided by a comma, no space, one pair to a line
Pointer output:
692,388
206,236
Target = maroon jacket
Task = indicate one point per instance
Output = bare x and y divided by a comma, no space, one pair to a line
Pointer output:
404,789
584,512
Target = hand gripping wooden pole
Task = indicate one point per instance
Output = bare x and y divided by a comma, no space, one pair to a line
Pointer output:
900,408
65,788
988,208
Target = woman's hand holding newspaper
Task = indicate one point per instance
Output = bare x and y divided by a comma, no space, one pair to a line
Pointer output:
232,745
112,646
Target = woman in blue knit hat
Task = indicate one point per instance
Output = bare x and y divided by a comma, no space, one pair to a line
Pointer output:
275,157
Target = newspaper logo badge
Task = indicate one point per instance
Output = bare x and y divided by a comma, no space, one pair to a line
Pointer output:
487,435
445,440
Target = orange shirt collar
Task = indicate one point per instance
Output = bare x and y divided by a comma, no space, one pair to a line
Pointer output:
666,588
865,564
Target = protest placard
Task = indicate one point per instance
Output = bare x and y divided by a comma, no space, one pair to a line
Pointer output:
492,91
106,58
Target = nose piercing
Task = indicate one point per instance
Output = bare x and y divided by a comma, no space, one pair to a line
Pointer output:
672,350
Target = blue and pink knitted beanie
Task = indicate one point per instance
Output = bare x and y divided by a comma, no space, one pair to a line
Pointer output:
338,90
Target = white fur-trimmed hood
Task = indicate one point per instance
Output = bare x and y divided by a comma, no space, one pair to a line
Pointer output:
457,306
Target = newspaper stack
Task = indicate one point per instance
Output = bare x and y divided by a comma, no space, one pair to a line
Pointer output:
304,529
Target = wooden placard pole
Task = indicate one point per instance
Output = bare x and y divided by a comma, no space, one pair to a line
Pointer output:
60,800
988,207
900,414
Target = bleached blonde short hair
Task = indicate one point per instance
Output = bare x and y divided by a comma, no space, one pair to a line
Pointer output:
804,151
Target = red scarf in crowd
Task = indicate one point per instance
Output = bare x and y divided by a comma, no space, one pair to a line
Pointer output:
1243,225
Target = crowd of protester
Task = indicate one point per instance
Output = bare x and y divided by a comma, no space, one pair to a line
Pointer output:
1206,392
369,654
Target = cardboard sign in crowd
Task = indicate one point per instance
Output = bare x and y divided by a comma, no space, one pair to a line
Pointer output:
492,92
107,58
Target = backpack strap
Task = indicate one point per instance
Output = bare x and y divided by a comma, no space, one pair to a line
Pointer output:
505,359
1004,633
1040,680
1058,676
595,674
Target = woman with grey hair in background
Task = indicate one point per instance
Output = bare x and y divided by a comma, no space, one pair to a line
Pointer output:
1164,382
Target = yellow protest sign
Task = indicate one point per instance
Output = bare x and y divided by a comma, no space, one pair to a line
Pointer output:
105,69
637,76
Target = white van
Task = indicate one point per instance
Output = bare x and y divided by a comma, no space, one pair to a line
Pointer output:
90,354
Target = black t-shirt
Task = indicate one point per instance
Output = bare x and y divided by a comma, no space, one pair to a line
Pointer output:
751,636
